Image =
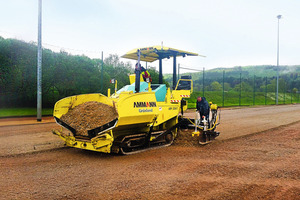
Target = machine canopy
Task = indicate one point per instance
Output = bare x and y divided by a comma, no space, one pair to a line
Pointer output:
151,54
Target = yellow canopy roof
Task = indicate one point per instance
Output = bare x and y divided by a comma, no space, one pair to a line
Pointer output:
150,54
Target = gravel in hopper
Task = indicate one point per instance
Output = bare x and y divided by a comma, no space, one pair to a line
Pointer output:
89,115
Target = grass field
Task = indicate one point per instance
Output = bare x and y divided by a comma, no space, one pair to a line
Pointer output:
231,98
16,112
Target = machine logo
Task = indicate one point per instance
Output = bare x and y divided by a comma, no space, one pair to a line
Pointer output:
144,104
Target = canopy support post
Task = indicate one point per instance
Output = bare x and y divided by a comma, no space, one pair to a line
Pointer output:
174,72
160,78
137,73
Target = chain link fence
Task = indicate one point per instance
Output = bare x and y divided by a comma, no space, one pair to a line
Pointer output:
245,90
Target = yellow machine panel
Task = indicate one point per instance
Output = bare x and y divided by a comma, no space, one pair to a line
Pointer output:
137,108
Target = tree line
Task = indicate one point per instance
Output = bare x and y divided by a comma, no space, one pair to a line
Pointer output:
65,75
62,74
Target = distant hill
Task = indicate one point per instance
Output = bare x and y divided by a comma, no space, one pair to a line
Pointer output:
252,77
246,71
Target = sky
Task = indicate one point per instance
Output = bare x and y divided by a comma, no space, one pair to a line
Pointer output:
229,33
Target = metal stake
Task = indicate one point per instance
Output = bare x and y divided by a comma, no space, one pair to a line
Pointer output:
39,64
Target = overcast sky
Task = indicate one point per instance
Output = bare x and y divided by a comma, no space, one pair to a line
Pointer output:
229,33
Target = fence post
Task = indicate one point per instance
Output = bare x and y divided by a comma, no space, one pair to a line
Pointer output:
266,90
240,89
101,81
284,90
223,88
275,96
254,90
203,81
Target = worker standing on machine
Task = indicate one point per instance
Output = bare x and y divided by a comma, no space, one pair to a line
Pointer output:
146,74
203,108
137,67
143,71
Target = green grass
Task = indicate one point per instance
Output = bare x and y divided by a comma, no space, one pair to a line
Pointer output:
16,112
231,98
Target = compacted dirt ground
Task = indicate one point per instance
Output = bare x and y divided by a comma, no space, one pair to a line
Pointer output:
257,164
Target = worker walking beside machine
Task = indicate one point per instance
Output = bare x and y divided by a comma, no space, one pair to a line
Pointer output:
205,124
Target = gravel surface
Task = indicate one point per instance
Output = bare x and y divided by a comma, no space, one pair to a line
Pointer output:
262,165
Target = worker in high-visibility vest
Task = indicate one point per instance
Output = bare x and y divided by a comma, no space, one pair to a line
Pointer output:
146,74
